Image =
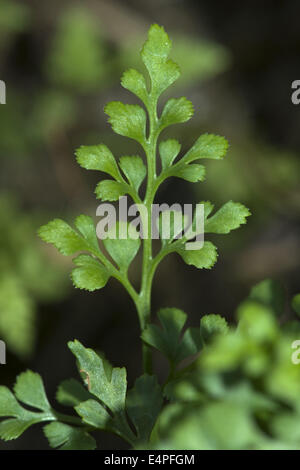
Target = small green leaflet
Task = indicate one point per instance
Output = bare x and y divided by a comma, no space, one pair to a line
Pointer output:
143,405
212,325
98,157
168,149
109,385
176,111
157,47
86,227
204,258
28,389
110,390
208,208
70,393
207,146
155,52
127,119
230,217
94,414
170,339
67,437
134,170
122,250
170,225
68,241
192,172
89,274
62,236
109,190
135,82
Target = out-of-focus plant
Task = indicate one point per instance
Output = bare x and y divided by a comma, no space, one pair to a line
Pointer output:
15,18
77,37
268,178
243,391
26,277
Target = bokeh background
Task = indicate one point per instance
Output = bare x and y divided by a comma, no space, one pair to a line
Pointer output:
62,62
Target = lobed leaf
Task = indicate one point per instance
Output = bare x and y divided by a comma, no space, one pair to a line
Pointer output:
170,225
97,157
208,208
168,338
13,428
71,393
134,170
122,250
94,414
212,325
229,217
154,54
86,226
168,150
204,258
90,273
111,391
207,146
68,241
62,236
109,190
190,343
68,437
191,172
9,406
143,405
29,389
127,119
157,47
176,111
135,82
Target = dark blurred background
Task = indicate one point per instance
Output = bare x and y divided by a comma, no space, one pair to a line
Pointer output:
62,62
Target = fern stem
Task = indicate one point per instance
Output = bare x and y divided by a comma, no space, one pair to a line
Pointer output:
144,303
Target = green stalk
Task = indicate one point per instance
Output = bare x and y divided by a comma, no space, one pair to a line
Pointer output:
142,299
144,302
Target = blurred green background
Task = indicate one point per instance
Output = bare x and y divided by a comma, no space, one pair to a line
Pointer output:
62,62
